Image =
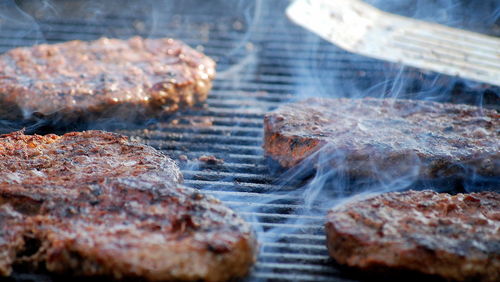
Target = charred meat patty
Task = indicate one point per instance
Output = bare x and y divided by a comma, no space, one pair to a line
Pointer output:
366,136
95,203
107,77
453,236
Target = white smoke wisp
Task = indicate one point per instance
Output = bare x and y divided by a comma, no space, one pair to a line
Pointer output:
22,27
333,73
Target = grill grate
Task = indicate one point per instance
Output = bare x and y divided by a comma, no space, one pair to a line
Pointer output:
260,67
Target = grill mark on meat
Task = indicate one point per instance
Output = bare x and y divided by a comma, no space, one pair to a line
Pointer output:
103,78
109,206
453,236
441,140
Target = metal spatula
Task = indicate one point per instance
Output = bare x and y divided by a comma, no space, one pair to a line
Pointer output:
360,28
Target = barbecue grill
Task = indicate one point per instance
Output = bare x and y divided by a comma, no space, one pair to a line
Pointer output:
263,61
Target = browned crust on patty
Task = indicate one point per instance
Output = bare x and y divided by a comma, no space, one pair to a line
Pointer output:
103,78
365,136
99,204
456,237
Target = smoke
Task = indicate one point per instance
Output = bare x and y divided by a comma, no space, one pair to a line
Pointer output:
478,16
349,75
22,26
324,71
312,66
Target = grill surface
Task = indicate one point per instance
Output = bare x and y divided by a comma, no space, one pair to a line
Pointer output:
261,63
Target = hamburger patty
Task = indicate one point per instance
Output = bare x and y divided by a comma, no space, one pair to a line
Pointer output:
366,136
456,237
106,77
95,203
